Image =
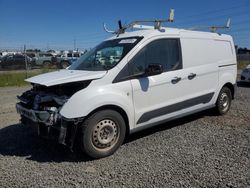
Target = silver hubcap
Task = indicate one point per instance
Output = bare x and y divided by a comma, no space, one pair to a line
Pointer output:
224,101
105,134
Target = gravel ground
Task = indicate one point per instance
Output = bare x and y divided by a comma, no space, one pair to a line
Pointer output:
202,150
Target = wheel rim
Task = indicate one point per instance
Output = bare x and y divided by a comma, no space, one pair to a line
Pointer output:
105,134
64,65
224,102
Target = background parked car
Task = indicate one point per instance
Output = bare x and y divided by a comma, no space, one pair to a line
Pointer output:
43,59
31,54
245,75
16,61
65,60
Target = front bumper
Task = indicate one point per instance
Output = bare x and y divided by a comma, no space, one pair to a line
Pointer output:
36,116
44,123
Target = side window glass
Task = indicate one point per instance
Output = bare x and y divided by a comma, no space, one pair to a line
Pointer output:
164,51
9,58
173,55
157,53
138,64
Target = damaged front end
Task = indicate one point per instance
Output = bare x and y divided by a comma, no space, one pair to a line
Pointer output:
40,107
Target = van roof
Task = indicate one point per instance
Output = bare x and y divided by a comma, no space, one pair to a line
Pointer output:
147,33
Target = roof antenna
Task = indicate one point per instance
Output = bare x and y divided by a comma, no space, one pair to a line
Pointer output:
106,29
120,24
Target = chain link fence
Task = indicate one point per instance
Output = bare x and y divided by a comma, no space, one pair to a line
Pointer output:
15,68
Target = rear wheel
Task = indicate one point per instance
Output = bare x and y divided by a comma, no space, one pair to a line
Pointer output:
224,100
102,133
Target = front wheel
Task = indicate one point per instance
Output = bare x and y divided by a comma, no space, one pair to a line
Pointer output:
224,100
102,133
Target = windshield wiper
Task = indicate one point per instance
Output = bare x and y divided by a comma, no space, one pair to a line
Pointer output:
107,67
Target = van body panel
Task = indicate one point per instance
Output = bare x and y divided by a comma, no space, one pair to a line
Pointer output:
86,101
208,63
202,55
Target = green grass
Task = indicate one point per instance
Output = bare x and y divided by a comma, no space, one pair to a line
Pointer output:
16,78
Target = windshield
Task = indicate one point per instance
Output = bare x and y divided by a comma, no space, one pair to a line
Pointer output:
106,55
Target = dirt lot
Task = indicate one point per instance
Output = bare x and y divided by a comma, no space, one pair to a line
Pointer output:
202,150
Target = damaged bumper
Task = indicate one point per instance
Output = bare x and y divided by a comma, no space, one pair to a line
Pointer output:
45,117
50,125
40,107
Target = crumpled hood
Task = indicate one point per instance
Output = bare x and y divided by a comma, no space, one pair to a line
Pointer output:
65,76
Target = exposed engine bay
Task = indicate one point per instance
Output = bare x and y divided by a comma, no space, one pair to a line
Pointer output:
41,106
46,102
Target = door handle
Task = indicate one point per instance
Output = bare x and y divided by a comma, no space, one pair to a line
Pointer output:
175,80
191,76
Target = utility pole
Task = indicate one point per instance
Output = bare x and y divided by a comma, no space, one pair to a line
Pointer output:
25,59
74,44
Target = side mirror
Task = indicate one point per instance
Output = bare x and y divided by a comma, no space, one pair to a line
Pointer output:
154,69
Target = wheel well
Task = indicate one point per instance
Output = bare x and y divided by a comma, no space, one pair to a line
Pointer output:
117,109
231,87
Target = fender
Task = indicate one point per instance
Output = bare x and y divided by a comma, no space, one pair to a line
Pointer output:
85,101
226,75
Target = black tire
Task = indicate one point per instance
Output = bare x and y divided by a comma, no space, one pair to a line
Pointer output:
224,101
102,133
47,64
64,64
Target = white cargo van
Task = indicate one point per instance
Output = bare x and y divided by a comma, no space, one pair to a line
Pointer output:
129,82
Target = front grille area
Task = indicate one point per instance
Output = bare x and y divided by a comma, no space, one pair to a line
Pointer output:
26,112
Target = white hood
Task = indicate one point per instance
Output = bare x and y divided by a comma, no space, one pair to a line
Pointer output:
65,76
